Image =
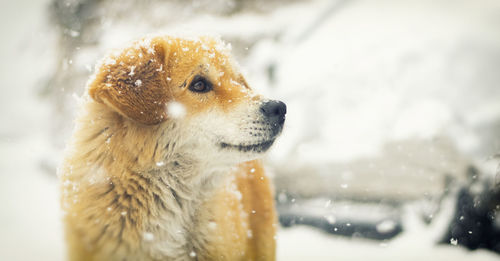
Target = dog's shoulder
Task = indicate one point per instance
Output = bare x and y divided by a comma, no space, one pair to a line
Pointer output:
245,206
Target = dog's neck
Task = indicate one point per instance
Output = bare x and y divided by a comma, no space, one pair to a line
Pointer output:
180,205
187,179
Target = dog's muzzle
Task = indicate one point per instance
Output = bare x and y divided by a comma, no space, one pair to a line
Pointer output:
273,118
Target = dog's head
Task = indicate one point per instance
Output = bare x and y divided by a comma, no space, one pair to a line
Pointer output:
193,85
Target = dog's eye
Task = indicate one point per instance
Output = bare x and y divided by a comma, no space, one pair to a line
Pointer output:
200,84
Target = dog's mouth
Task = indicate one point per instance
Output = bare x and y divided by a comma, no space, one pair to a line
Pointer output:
258,147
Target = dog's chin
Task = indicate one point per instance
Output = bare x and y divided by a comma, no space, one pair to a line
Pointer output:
259,147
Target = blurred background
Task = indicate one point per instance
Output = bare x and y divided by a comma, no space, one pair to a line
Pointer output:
393,126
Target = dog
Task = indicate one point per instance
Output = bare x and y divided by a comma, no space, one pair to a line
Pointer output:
163,163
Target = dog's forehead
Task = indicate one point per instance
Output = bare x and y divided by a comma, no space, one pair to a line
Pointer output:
206,54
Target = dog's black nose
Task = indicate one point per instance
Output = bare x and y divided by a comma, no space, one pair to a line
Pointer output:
274,111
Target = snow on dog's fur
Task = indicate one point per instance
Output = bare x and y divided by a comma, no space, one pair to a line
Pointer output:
162,164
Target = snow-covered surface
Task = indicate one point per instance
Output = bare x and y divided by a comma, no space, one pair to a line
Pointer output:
375,73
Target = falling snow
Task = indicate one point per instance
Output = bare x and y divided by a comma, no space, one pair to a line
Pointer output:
148,236
249,233
131,73
330,218
386,226
212,225
176,110
160,163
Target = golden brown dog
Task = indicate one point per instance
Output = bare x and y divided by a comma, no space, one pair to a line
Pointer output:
162,163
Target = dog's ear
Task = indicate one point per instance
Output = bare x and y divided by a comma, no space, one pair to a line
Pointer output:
134,83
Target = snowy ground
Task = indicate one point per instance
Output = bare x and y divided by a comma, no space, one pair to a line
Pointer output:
388,84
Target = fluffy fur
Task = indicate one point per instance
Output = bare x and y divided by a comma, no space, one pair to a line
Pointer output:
142,180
